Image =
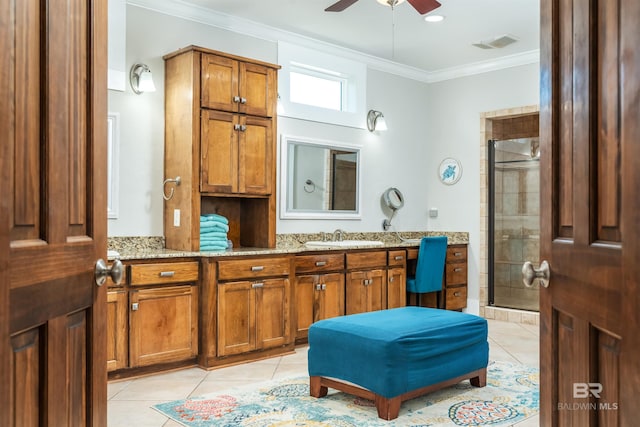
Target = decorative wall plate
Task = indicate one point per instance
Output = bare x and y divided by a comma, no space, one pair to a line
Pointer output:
450,171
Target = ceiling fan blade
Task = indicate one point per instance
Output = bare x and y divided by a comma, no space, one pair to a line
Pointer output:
424,6
340,6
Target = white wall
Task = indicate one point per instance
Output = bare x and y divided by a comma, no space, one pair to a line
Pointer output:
427,122
453,111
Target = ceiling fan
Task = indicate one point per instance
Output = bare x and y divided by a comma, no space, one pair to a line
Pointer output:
422,6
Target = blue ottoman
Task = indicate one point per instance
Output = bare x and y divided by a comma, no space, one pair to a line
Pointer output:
394,355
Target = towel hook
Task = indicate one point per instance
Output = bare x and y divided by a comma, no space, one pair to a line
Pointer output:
177,181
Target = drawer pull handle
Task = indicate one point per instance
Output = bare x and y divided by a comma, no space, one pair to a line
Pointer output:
398,258
456,294
457,270
257,268
457,254
167,273
257,285
321,263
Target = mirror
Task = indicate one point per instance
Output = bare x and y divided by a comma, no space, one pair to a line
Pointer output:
394,200
320,179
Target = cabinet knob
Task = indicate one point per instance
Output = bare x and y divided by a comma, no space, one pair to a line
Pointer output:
236,99
398,257
457,270
390,279
324,286
243,100
318,287
457,254
241,128
456,294
134,306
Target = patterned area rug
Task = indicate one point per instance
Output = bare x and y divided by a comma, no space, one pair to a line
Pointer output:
510,396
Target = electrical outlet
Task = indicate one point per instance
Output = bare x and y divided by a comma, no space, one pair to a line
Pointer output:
433,213
176,217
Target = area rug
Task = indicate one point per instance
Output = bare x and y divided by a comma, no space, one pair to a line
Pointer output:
510,396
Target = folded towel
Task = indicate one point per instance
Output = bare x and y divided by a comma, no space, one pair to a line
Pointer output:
217,234
213,226
213,240
214,218
213,247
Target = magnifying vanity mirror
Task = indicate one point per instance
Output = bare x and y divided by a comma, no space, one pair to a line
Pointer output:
320,179
394,200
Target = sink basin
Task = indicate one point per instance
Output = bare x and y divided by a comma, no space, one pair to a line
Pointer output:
343,244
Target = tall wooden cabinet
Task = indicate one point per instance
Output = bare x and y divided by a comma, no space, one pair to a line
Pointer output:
220,131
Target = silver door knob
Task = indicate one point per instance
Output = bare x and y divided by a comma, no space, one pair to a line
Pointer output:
529,274
102,271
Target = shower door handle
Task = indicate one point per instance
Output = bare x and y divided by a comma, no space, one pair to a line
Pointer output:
529,274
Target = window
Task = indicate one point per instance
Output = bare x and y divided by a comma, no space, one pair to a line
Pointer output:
321,87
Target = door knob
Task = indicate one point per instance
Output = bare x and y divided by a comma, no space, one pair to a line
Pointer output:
102,271
529,274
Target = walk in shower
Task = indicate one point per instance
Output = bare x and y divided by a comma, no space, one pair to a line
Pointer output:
514,220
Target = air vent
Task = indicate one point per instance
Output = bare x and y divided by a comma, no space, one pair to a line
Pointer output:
497,42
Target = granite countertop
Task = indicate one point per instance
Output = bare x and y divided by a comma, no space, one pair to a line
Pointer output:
132,248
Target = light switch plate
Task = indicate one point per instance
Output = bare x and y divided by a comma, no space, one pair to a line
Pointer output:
176,217
433,213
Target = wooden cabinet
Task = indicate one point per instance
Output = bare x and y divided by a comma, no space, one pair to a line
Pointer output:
117,329
236,154
164,325
253,314
237,86
319,290
153,317
397,279
366,281
455,286
220,131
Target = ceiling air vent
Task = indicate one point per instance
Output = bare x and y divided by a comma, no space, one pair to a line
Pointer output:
497,42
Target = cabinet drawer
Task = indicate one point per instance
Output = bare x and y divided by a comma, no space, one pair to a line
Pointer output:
457,253
169,272
456,298
456,273
366,259
252,267
397,258
319,263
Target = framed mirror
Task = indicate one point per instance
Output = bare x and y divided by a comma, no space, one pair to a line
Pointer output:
320,179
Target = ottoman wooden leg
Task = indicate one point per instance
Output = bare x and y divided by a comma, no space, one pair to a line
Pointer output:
388,409
317,389
480,380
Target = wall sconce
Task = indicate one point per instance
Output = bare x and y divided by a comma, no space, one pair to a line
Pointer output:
376,121
141,79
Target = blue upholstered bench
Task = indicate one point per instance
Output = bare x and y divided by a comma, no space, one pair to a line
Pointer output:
390,356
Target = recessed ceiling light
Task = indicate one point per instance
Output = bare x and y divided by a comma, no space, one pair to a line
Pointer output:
434,18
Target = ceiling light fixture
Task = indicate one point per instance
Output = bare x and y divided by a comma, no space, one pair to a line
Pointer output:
434,18
391,3
376,121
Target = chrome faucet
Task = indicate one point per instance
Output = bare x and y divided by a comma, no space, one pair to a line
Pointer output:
337,235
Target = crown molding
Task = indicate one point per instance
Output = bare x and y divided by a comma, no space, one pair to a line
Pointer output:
181,9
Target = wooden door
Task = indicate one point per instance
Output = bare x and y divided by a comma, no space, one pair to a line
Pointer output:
258,89
590,212
53,158
219,151
236,318
306,302
164,325
396,287
219,83
331,296
272,313
255,155
356,292
117,330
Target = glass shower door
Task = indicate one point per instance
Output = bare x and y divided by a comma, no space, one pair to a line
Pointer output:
514,221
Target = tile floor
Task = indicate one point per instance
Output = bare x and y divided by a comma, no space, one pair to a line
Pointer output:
130,400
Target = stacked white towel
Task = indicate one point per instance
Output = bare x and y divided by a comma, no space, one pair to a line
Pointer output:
213,232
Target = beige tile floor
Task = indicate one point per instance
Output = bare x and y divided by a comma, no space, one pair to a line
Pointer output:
130,400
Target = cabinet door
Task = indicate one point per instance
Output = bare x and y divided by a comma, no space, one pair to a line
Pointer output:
396,287
255,157
219,83
305,303
117,330
330,301
219,152
164,325
258,91
272,313
364,290
236,318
